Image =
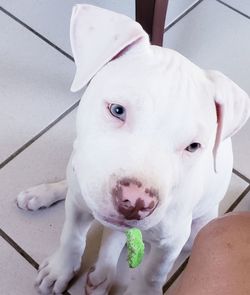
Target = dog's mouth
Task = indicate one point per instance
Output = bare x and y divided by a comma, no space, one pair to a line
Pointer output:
113,221
117,222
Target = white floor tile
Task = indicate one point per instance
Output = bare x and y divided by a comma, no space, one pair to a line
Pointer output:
176,8
237,186
56,26
242,5
44,161
241,147
16,273
34,86
244,205
214,37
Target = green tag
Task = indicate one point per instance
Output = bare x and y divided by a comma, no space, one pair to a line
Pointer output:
135,247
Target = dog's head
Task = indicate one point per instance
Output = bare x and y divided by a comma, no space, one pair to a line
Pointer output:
150,121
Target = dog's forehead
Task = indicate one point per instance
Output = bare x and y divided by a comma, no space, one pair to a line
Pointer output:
163,93
159,79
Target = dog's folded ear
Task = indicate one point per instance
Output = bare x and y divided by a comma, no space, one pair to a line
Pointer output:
97,36
232,106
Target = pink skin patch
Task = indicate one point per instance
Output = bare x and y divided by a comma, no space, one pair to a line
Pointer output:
132,200
132,193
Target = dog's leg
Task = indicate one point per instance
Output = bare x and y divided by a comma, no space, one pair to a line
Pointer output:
56,271
198,224
41,196
151,279
100,277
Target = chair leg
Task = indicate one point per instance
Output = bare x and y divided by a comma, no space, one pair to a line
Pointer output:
151,14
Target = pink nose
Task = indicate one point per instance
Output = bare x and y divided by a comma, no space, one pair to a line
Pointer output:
133,200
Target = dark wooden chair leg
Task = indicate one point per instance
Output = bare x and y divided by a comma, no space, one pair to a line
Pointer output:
151,14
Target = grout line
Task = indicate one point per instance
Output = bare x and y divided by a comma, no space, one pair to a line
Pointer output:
182,15
37,34
42,132
236,172
174,277
234,9
23,253
238,200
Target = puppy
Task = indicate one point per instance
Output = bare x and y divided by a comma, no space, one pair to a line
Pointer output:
153,151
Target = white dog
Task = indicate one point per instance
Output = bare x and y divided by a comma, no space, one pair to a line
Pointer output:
153,151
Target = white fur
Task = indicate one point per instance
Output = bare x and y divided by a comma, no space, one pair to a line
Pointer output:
170,103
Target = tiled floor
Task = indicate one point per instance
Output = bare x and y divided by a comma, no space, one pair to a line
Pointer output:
37,113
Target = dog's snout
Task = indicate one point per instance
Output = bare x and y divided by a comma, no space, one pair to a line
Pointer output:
134,201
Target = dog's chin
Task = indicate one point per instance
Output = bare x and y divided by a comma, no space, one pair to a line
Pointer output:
121,224
116,223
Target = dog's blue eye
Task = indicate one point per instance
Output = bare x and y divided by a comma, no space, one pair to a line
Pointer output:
118,111
193,147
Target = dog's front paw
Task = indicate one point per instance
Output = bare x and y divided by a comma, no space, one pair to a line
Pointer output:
37,197
99,281
56,271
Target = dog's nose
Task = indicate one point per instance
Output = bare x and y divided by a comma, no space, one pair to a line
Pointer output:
133,200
